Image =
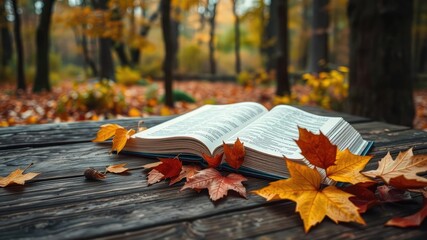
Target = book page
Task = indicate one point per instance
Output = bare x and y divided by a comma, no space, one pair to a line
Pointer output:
210,124
275,132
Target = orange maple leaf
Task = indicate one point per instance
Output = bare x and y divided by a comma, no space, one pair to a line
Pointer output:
347,168
17,177
316,148
216,184
186,172
405,164
170,167
120,139
117,168
213,161
234,155
106,131
410,221
313,202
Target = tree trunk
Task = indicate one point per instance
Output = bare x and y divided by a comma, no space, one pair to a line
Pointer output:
145,29
19,48
87,57
106,64
121,53
319,41
238,66
212,62
5,38
380,61
42,81
169,51
282,77
270,36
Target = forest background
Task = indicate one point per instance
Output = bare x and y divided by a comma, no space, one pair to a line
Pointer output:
90,60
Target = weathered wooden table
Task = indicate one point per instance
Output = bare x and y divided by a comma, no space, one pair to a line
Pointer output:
61,204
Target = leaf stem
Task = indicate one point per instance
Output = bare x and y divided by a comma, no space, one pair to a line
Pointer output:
31,164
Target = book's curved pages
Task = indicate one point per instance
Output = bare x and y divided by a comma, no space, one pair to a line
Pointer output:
268,136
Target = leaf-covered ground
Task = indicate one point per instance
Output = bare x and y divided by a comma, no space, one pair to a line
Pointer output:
72,102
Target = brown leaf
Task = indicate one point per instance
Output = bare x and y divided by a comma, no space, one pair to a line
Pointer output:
154,176
152,165
317,149
117,168
106,131
413,220
234,155
390,194
401,182
17,177
216,184
187,171
405,164
120,139
363,195
213,161
92,174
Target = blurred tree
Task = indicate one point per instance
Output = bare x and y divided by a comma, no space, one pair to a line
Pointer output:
212,6
238,66
5,36
319,42
118,45
106,64
168,61
380,61
282,76
42,81
19,47
270,36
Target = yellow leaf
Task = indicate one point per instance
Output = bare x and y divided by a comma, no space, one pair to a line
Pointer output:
120,139
405,164
133,112
117,168
347,168
17,177
313,202
106,131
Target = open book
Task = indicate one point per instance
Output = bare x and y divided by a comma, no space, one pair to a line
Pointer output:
268,136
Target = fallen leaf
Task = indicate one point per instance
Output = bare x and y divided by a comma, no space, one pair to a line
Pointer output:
170,167
93,174
187,171
154,176
120,139
216,184
347,168
213,161
413,220
316,148
151,165
117,168
363,195
390,194
106,131
401,182
234,155
313,202
17,177
405,164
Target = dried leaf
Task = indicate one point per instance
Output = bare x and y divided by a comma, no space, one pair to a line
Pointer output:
154,176
92,174
117,168
170,167
390,194
120,139
405,164
213,161
186,172
151,165
106,131
317,149
347,168
216,184
313,203
234,155
17,177
413,220
363,195
401,182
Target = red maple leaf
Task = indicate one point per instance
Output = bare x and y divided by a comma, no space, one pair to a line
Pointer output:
213,161
317,149
170,167
186,172
216,184
364,195
234,155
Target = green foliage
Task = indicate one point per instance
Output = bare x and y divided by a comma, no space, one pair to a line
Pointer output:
55,62
192,59
127,76
180,96
6,74
151,66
